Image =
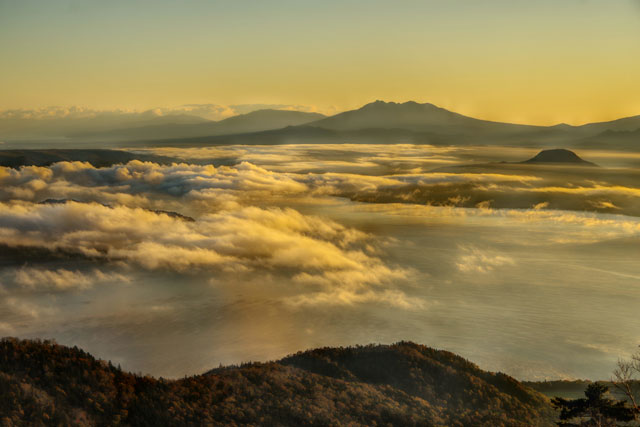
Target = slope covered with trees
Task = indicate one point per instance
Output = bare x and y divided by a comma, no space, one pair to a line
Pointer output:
42,383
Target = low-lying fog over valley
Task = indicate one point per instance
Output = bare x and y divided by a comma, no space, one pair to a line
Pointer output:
175,259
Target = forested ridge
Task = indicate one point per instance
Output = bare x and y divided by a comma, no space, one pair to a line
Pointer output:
42,383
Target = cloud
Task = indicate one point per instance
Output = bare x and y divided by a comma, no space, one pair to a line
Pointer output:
220,112
6,329
145,184
475,190
194,189
349,297
399,173
373,159
247,108
243,225
603,204
56,112
208,111
62,280
553,226
314,251
16,310
197,188
474,260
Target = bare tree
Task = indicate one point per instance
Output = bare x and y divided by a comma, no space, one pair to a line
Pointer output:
626,378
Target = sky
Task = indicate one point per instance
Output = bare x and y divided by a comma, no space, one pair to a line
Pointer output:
542,62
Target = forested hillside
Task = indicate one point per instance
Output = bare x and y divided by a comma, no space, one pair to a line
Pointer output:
42,383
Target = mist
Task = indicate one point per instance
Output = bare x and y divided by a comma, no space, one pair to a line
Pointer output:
241,253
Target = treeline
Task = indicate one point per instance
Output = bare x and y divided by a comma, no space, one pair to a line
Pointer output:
42,383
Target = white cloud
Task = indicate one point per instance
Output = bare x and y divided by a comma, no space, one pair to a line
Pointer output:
62,279
475,260
242,223
349,297
208,111
315,251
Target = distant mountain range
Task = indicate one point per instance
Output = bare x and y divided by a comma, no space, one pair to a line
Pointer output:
428,123
410,122
97,157
26,127
254,121
376,122
42,383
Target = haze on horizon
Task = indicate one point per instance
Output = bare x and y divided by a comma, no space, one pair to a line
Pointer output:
538,63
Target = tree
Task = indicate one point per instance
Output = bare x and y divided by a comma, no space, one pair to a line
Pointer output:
595,409
625,379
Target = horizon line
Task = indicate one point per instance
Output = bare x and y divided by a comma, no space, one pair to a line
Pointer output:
175,110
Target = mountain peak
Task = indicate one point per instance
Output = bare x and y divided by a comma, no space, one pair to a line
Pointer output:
392,115
392,104
562,126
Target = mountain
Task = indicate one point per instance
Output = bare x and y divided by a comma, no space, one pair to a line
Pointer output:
428,117
621,134
305,134
27,125
42,383
416,117
558,155
254,121
617,139
625,124
261,120
171,214
98,158
376,122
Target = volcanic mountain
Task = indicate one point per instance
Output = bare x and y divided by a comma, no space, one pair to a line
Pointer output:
416,117
558,155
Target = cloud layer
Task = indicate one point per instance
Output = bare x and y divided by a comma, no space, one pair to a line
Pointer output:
281,248
188,217
315,252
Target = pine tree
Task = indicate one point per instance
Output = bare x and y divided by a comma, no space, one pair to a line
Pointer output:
595,409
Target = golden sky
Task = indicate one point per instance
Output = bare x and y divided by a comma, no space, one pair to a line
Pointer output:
539,62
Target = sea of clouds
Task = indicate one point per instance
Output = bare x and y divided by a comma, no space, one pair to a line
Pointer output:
312,219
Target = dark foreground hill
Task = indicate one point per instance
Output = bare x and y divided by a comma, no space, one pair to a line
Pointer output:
42,383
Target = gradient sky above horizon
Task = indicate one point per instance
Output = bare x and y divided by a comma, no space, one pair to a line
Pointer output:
540,62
